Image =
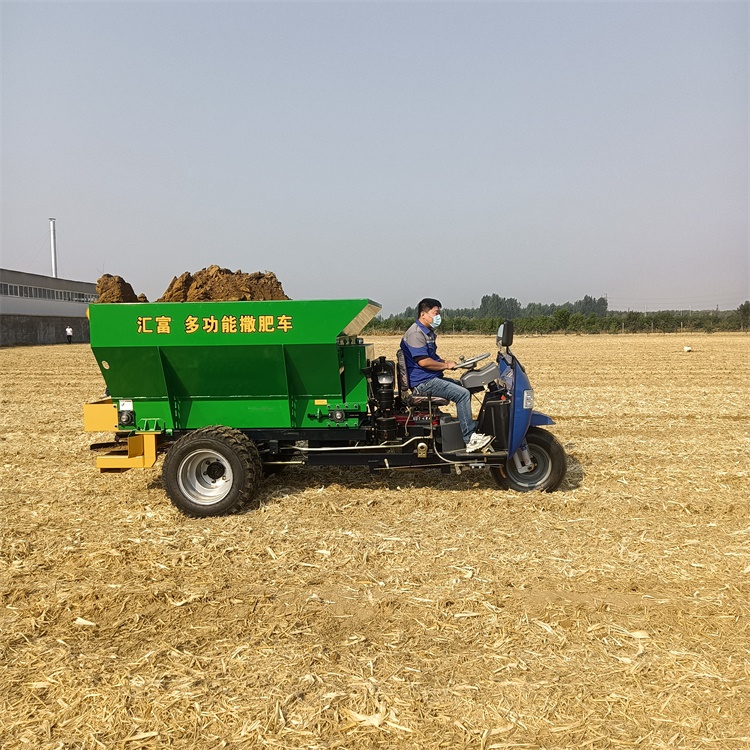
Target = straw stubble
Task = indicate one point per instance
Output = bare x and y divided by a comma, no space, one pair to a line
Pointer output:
396,609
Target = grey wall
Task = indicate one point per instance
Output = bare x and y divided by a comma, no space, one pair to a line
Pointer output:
46,308
41,329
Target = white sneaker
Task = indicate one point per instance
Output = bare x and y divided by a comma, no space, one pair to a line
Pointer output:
477,442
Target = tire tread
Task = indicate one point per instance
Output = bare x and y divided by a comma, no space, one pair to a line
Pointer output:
243,449
557,456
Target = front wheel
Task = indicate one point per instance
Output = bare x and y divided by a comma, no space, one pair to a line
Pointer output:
212,472
548,465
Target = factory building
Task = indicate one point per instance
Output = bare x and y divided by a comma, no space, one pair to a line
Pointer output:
37,309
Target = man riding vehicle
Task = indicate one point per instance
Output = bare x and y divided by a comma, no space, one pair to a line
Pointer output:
426,371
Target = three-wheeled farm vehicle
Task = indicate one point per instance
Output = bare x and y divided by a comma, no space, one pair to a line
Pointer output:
230,391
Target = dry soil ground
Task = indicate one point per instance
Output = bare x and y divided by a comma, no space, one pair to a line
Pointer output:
411,610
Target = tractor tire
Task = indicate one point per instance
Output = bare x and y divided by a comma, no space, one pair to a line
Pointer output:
550,465
213,471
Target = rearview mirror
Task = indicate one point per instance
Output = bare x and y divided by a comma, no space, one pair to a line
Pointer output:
505,334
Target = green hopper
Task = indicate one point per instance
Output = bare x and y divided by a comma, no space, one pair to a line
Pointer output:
184,365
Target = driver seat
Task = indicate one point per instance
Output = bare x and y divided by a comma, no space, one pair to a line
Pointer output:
407,398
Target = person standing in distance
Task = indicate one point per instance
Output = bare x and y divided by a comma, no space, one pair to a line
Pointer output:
69,334
426,371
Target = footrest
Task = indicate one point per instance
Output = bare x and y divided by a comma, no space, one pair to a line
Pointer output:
484,453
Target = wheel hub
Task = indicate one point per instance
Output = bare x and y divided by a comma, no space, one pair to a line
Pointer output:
205,477
215,470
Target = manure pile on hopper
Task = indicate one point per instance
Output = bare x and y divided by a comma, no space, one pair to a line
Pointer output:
404,610
212,283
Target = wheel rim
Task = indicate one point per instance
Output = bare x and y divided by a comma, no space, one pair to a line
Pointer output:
205,477
541,471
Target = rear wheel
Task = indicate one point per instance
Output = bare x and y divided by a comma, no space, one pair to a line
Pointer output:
548,465
213,471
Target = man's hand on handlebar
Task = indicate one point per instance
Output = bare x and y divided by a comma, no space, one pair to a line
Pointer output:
469,363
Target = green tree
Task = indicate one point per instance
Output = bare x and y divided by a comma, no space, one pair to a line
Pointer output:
494,306
590,305
665,321
744,311
561,319
577,322
634,321
594,324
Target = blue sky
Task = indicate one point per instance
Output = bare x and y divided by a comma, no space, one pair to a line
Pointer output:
540,150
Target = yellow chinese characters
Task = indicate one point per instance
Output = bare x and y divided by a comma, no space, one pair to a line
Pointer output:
229,324
210,324
247,323
163,324
143,325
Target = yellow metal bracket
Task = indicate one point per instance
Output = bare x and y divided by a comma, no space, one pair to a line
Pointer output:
101,416
141,454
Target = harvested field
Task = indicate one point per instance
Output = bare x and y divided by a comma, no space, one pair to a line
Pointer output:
403,610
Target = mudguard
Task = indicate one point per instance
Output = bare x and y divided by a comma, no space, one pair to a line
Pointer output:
521,419
538,419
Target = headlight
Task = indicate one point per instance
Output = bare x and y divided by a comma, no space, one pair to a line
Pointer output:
528,399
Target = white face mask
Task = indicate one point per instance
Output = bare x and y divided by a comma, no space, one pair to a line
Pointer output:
436,321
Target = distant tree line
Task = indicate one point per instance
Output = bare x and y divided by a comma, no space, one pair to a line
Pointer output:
588,315
494,306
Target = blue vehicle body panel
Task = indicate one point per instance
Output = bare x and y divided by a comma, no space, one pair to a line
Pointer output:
538,419
520,419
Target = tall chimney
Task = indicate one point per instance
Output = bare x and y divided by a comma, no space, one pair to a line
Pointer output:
53,241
